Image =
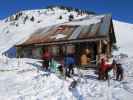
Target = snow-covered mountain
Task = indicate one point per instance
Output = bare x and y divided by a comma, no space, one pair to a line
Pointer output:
21,25
18,27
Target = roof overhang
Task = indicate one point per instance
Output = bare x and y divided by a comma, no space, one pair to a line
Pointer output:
75,41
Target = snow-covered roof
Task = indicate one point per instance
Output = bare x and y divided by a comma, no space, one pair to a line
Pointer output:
88,28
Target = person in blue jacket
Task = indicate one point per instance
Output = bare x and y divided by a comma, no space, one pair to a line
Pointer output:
69,63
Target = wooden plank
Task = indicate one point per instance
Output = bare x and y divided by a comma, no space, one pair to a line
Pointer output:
85,31
76,33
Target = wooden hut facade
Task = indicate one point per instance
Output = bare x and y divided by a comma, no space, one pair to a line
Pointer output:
95,33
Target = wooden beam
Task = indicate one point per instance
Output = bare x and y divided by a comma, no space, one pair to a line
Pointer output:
99,50
108,50
67,41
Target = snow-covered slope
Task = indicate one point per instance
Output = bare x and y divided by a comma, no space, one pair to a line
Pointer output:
22,79
20,26
124,37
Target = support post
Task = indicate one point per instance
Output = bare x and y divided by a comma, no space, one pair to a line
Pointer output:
99,50
108,50
65,61
17,54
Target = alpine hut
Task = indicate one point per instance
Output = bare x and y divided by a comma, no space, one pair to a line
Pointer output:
93,34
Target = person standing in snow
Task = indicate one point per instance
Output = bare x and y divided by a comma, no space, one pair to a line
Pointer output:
104,69
101,69
61,66
118,71
69,62
46,58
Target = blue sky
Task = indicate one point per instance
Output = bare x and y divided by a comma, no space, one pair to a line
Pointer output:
120,9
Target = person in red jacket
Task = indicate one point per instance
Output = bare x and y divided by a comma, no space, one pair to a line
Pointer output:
104,69
46,59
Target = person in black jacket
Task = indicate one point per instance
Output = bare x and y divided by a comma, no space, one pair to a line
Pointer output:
119,72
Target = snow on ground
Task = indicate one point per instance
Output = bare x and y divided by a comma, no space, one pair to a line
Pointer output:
26,82
20,79
124,33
